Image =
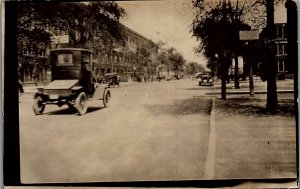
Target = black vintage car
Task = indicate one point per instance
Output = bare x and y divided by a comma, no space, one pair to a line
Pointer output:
206,78
112,79
73,82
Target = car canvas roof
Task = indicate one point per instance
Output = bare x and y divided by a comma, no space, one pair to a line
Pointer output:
71,49
108,74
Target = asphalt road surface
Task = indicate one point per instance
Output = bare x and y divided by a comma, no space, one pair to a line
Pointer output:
151,131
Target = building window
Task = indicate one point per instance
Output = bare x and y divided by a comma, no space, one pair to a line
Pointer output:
284,48
284,32
281,49
280,65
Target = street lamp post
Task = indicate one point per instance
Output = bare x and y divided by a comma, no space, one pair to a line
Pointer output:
250,64
223,70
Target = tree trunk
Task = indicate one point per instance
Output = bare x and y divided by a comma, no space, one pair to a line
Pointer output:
292,48
224,74
251,85
236,73
272,95
272,101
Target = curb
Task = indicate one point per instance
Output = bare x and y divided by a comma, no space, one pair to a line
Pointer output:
247,92
209,172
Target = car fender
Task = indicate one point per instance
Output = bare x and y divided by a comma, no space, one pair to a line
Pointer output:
99,91
38,94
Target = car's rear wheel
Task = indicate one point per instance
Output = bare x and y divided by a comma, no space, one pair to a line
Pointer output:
38,107
106,98
81,103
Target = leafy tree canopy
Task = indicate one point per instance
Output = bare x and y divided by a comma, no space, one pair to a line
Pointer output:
93,24
193,67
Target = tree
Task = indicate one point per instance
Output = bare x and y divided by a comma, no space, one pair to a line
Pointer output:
292,46
177,61
247,12
93,25
163,61
272,101
218,32
143,55
193,67
226,17
88,25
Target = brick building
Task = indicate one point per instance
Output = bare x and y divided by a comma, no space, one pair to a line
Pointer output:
132,59
281,48
128,59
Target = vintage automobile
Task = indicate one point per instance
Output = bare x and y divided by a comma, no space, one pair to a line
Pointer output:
206,79
112,79
72,82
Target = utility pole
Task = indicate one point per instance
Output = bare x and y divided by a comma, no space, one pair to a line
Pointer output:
292,50
236,55
223,56
272,101
292,46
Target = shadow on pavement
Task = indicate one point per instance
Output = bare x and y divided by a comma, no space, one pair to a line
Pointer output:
200,88
236,183
72,111
254,107
194,105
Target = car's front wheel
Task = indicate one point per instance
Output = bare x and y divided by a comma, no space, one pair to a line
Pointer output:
81,103
38,106
106,98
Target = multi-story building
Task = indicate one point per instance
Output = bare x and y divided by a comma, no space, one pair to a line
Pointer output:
33,65
281,55
281,48
132,59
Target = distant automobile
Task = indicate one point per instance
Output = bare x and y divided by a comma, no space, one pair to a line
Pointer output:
206,79
168,78
112,79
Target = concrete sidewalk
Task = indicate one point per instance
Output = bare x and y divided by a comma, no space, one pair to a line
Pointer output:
260,87
250,142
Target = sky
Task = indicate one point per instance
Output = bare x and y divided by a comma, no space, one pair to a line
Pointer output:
170,21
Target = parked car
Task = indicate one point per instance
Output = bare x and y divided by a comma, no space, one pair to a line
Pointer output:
112,79
72,82
168,78
206,79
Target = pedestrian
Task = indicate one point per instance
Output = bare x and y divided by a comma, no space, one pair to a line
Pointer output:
35,75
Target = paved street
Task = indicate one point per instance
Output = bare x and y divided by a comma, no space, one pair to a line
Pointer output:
152,131
160,131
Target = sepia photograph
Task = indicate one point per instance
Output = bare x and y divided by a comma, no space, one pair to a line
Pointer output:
151,91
